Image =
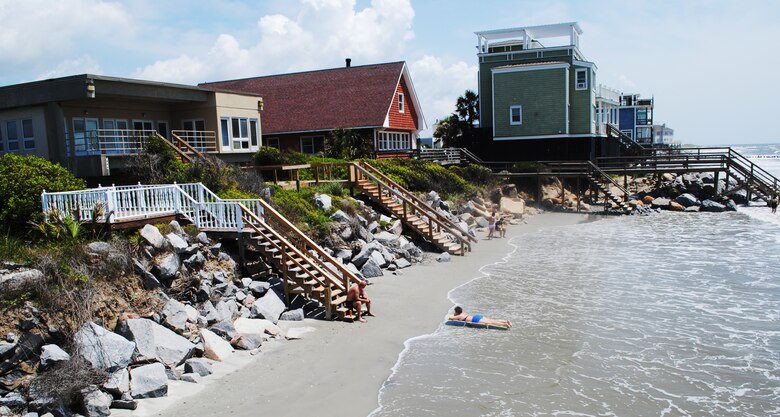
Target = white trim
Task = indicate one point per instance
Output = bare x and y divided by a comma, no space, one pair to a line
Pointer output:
401,103
567,103
532,51
421,124
530,67
583,135
578,63
511,121
577,85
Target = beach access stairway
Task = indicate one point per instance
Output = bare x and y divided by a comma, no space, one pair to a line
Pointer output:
615,195
449,156
304,267
415,213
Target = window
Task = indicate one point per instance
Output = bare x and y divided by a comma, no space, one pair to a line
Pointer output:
401,102
27,134
643,135
13,135
253,132
628,133
85,136
392,141
240,133
195,134
581,79
272,142
224,123
312,144
641,116
162,128
515,115
2,147
115,136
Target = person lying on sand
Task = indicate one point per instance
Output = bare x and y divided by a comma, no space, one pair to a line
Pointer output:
356,298
478,318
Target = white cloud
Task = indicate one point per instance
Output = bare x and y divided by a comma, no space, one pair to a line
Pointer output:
83,65
322,34
41,29
440,84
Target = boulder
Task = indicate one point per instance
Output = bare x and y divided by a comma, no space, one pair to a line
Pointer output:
149,381
6,350
660,202
371,269
481,221
177,243
346,233
53,354
731,205
692,209
200,366
225,329
215,347
153,236
443,257
100,248
268,307
511,205
94,402
118,382
675,206
402,263
18,279
176,314
257,327
379,258
292,315
154,341
202,238
372,226
176,227
192,378
247,342
168,266
323,201
259,288
341,217
648,199
385,237
712,206
739,196
365,253
396,227
195,261
103,349
687,200
125,404
13,400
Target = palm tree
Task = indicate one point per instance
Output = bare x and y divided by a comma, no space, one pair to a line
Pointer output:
467,108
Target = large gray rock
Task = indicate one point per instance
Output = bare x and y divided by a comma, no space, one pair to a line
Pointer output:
739,196
100,248
19,278
396,227
444,257
103,349
195,261
365,253
13,400
225,329
94,402
371,269
202,238
292,315
149,381
402,263
200,366
268,307
661,202
377,257
176,227
341,217
259,288
53,354
6,350
687,200
176,314
215,347
152,235
386,237
118,382
177,243
168,266
323,201
153,341
256,327
712,206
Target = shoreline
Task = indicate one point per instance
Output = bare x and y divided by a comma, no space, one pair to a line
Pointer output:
340,368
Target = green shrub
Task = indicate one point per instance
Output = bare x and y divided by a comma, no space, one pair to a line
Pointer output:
213,172
268,155
299,208
347,144
22,180
236,194
417,175
157,164
473,174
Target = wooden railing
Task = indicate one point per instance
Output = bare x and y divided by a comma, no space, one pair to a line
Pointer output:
411,204
449,156
196,141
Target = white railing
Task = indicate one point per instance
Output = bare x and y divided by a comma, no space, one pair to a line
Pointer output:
130,142
115,204
201,140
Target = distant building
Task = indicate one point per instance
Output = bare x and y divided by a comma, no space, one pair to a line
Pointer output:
539,100
663,135
91,124
636,118
301,109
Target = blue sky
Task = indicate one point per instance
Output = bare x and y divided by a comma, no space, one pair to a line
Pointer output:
709,64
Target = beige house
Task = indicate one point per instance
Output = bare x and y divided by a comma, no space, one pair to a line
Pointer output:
91,123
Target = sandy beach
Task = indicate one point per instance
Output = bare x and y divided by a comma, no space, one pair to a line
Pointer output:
339,368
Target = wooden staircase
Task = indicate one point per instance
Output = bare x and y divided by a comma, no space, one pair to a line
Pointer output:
416,214
304,267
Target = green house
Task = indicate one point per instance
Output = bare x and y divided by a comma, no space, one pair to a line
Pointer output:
538,94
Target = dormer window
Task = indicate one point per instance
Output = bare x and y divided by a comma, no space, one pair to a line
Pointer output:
400,102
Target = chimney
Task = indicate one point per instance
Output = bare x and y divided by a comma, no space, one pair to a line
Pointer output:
349,62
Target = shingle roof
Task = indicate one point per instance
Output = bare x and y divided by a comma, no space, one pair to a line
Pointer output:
322,100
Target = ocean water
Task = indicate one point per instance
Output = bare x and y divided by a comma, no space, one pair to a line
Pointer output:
675,314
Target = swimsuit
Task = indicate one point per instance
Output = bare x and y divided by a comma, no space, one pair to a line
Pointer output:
476,318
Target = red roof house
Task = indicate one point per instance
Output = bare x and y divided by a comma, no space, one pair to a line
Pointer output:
300,109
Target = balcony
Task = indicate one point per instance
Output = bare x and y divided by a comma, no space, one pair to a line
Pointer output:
122,142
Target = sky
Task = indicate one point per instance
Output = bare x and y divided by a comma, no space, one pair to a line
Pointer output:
708,64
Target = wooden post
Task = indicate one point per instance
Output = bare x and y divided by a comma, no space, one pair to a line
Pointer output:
563,192
297,180
717,174
579,197
749,183
316,175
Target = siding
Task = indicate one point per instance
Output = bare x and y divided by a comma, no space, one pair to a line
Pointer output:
580,100
408,119
542,93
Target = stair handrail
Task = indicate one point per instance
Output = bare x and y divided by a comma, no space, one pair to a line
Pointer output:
471,156
176,149
387,180
347,276
327,275
757,174
426,210
186,144
604,175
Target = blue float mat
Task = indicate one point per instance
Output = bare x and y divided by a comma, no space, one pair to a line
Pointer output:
474,325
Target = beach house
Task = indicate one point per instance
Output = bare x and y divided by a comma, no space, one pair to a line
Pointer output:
377,101
538,96
636,118
91,124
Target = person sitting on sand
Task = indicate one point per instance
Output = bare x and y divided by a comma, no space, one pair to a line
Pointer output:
478,318
356,298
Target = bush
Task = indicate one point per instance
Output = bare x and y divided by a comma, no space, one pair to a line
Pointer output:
346,144
157,164
299,208
213,172
268,155
22,180
417,175
473,174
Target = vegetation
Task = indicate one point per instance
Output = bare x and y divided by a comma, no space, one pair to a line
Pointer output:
417,175
459,129
22,180
346,144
